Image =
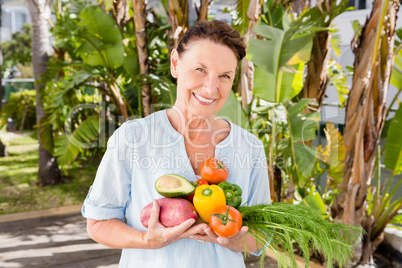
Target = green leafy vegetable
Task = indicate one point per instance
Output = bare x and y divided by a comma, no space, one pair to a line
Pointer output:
282,224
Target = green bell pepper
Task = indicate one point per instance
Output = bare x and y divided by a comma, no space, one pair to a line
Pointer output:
232,193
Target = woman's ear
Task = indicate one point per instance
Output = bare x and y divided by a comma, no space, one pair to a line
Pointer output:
174,58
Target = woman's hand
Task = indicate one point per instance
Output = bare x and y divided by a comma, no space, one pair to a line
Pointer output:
235,242
159,236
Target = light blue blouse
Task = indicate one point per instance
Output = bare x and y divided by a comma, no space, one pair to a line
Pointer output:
141,151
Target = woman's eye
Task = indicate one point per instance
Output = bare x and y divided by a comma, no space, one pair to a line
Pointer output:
226,76
200,70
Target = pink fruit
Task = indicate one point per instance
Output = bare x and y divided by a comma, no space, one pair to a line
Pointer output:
173,211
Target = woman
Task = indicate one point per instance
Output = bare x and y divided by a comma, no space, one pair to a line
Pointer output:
177,141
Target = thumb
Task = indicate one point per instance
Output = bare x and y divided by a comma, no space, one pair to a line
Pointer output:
155,211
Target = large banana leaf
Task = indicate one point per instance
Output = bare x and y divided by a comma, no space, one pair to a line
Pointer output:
103,41
304,156
303,125
279,61
272,13
396,76
232,111
393,145
280,88
68,146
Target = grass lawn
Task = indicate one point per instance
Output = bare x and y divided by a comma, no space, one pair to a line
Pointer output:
18,179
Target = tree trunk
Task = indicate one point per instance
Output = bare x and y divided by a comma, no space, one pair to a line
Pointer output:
49,173
203,11
247,67
317,77
120,12
365,117
142,49
2,146
178,16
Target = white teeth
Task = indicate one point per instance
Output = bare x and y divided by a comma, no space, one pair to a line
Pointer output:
203,99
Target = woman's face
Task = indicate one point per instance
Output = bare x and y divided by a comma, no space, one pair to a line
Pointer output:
205,74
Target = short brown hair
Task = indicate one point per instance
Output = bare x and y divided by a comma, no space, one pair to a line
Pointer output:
216,31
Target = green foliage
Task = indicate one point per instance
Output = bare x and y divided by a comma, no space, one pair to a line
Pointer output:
101,39
289,128
396,75
338,79
68,146
278,74
18,178
281,51
282,224
20,107
232,111
333,155
94,70
18,49
393,144
381,206
272,13
240,18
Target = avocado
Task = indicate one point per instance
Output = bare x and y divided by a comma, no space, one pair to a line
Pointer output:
172,185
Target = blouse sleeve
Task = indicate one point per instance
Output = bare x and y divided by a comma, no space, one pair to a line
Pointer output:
110,192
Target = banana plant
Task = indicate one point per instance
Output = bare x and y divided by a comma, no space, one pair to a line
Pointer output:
283,128
280,54
365,118
383,205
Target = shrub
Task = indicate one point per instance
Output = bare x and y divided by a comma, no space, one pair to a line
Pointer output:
20,109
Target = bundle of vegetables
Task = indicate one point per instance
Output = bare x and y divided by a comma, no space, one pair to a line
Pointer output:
282,224
217,202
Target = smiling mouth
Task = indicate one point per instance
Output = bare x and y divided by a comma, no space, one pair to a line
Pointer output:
202,99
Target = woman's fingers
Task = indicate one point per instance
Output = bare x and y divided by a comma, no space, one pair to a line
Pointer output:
226,240
154,219
179,229
195,230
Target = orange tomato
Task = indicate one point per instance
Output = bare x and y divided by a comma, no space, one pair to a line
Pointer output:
226,221
214,171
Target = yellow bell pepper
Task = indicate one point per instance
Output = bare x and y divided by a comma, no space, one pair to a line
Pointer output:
207,198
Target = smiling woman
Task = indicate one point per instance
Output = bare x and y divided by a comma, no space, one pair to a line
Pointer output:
205,64
208,70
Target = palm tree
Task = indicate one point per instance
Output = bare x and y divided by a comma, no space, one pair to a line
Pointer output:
2,146
49,173
365,117
142,50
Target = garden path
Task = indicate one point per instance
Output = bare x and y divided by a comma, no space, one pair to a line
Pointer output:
59,241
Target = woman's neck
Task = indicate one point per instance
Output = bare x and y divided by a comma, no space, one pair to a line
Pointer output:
188,124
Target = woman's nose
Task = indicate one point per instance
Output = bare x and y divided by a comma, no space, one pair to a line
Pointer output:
211,84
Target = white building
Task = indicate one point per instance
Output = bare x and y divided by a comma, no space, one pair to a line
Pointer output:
14,14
